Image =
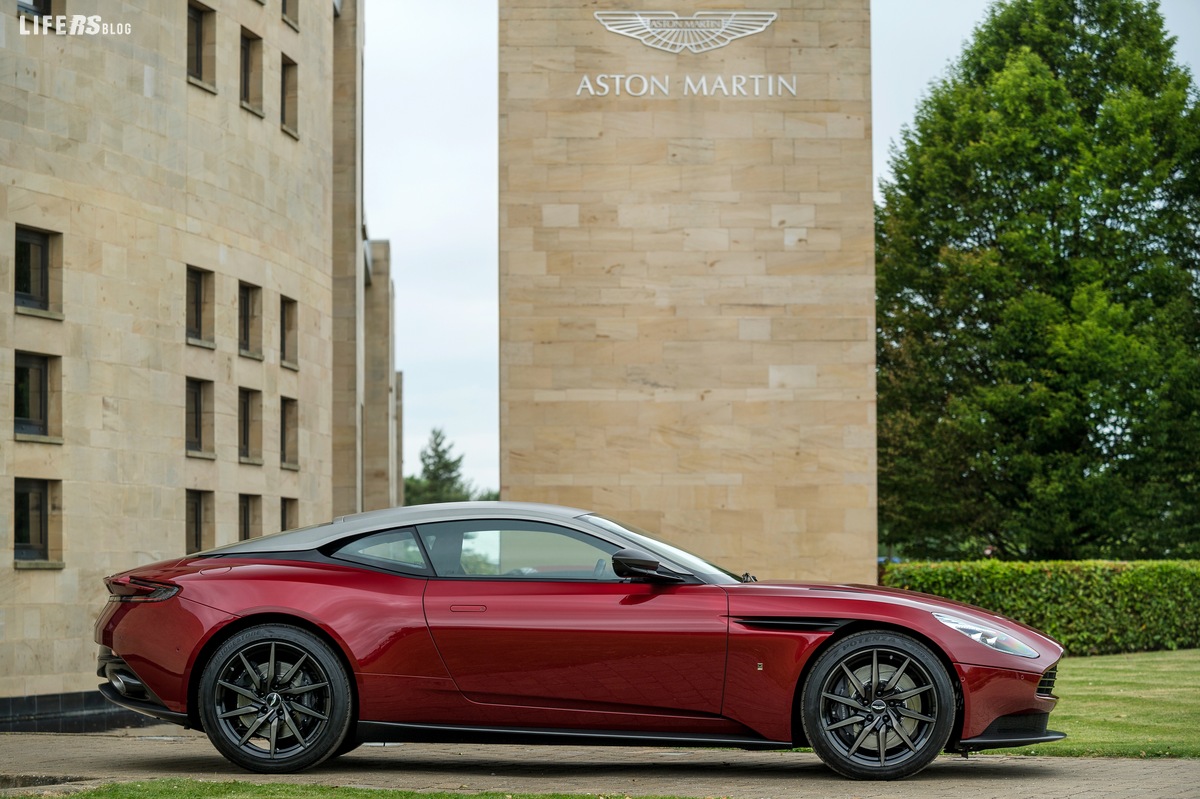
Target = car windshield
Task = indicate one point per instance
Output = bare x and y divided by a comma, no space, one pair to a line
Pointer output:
693,564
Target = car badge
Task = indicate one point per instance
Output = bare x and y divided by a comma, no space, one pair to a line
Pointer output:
701,32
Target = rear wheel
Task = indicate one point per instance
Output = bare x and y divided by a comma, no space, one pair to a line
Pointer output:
878,706
274,699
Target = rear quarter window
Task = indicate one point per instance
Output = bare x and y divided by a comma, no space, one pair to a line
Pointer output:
394,550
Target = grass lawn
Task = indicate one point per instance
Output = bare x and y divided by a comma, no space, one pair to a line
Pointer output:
1140,705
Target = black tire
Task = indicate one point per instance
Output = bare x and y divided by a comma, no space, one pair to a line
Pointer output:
349,744
275,699
878,706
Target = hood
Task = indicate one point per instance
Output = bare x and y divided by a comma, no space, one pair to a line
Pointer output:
829,606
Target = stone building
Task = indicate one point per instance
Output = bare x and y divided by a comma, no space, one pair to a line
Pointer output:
195,334
687,273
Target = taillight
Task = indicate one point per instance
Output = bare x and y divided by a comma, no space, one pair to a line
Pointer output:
135,589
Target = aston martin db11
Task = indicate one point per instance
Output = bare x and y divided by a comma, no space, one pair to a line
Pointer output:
507,622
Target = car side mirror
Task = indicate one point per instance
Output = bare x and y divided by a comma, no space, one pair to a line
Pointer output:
638,565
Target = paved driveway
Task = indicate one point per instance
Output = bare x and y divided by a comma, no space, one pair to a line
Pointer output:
156,752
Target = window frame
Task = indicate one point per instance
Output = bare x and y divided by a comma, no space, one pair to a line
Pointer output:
250,72
198,302
197,521
198,411
31,550
201,46
289,433
289,95
250,426
289,338
384,564
39,298
249,316
39,424
289,11
428,534
287,507
249,516
35,8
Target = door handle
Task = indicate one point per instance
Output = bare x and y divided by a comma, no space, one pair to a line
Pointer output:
468,608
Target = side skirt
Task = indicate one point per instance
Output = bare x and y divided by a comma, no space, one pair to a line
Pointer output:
383,731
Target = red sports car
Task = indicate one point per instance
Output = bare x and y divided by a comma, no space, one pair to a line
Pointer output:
508,622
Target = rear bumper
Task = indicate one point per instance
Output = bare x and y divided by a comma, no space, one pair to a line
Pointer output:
125,689
143,707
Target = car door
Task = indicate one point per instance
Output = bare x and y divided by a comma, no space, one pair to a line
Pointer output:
531,614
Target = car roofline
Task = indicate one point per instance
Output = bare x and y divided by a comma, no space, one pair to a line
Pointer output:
316,536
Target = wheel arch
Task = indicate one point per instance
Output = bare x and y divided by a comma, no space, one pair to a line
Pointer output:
256,620
872,626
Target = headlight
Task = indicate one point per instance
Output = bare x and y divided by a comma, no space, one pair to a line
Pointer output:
1000,641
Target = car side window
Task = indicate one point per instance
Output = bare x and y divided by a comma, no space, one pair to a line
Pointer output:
388,549
506,549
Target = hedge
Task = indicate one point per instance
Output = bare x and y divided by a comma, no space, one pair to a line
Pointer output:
1091,607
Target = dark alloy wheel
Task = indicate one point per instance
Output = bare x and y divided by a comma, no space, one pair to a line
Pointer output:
275,699
878,706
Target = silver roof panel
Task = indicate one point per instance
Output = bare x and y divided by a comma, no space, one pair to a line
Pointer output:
317,536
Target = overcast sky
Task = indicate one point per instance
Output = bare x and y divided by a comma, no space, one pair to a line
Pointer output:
431,185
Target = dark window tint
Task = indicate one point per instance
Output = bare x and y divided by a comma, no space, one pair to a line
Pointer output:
32,269
30,412
196,42
195,415
520,550
394,549
195,304
31,520
287,330
195,521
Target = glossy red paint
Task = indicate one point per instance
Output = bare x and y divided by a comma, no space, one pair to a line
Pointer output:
553,654
635,656
998,692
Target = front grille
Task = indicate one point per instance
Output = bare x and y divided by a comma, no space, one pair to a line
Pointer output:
1028,725
1046,684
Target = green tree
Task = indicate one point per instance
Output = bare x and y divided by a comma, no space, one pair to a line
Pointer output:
1037,260
441,477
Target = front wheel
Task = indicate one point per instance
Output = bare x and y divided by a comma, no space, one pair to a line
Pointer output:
878,706
275,699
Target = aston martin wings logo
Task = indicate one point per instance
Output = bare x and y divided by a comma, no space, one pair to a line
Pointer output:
701,32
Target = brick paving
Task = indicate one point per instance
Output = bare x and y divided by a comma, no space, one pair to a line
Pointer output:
167,751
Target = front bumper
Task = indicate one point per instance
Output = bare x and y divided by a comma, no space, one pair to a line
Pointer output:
1003,708
1016,730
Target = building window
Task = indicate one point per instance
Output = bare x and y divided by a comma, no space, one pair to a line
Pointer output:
34,8
288,96
249,320
32,389
249,426
31,520
33,269
201,47
199,416
199,521
288,513
199,306
291,12
251,72
288,424
288,333
249,516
